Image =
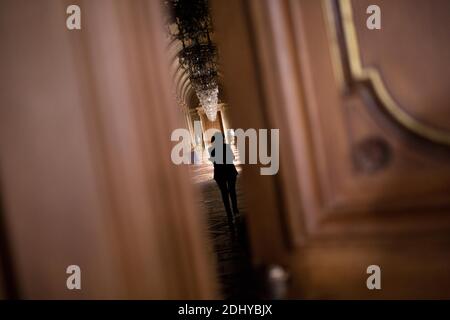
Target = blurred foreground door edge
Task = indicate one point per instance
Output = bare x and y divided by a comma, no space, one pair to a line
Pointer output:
85,123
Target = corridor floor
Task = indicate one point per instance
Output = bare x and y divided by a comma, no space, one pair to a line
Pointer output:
229,243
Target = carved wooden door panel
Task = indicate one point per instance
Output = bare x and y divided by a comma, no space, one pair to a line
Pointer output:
364,118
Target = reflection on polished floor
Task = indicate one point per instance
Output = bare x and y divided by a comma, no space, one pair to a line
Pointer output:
229,244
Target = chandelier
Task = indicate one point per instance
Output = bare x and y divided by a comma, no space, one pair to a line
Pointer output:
198,54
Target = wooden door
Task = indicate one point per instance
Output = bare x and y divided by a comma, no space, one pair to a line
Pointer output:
364,119
85,123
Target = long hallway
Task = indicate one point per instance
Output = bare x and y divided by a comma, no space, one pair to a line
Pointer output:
230,245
